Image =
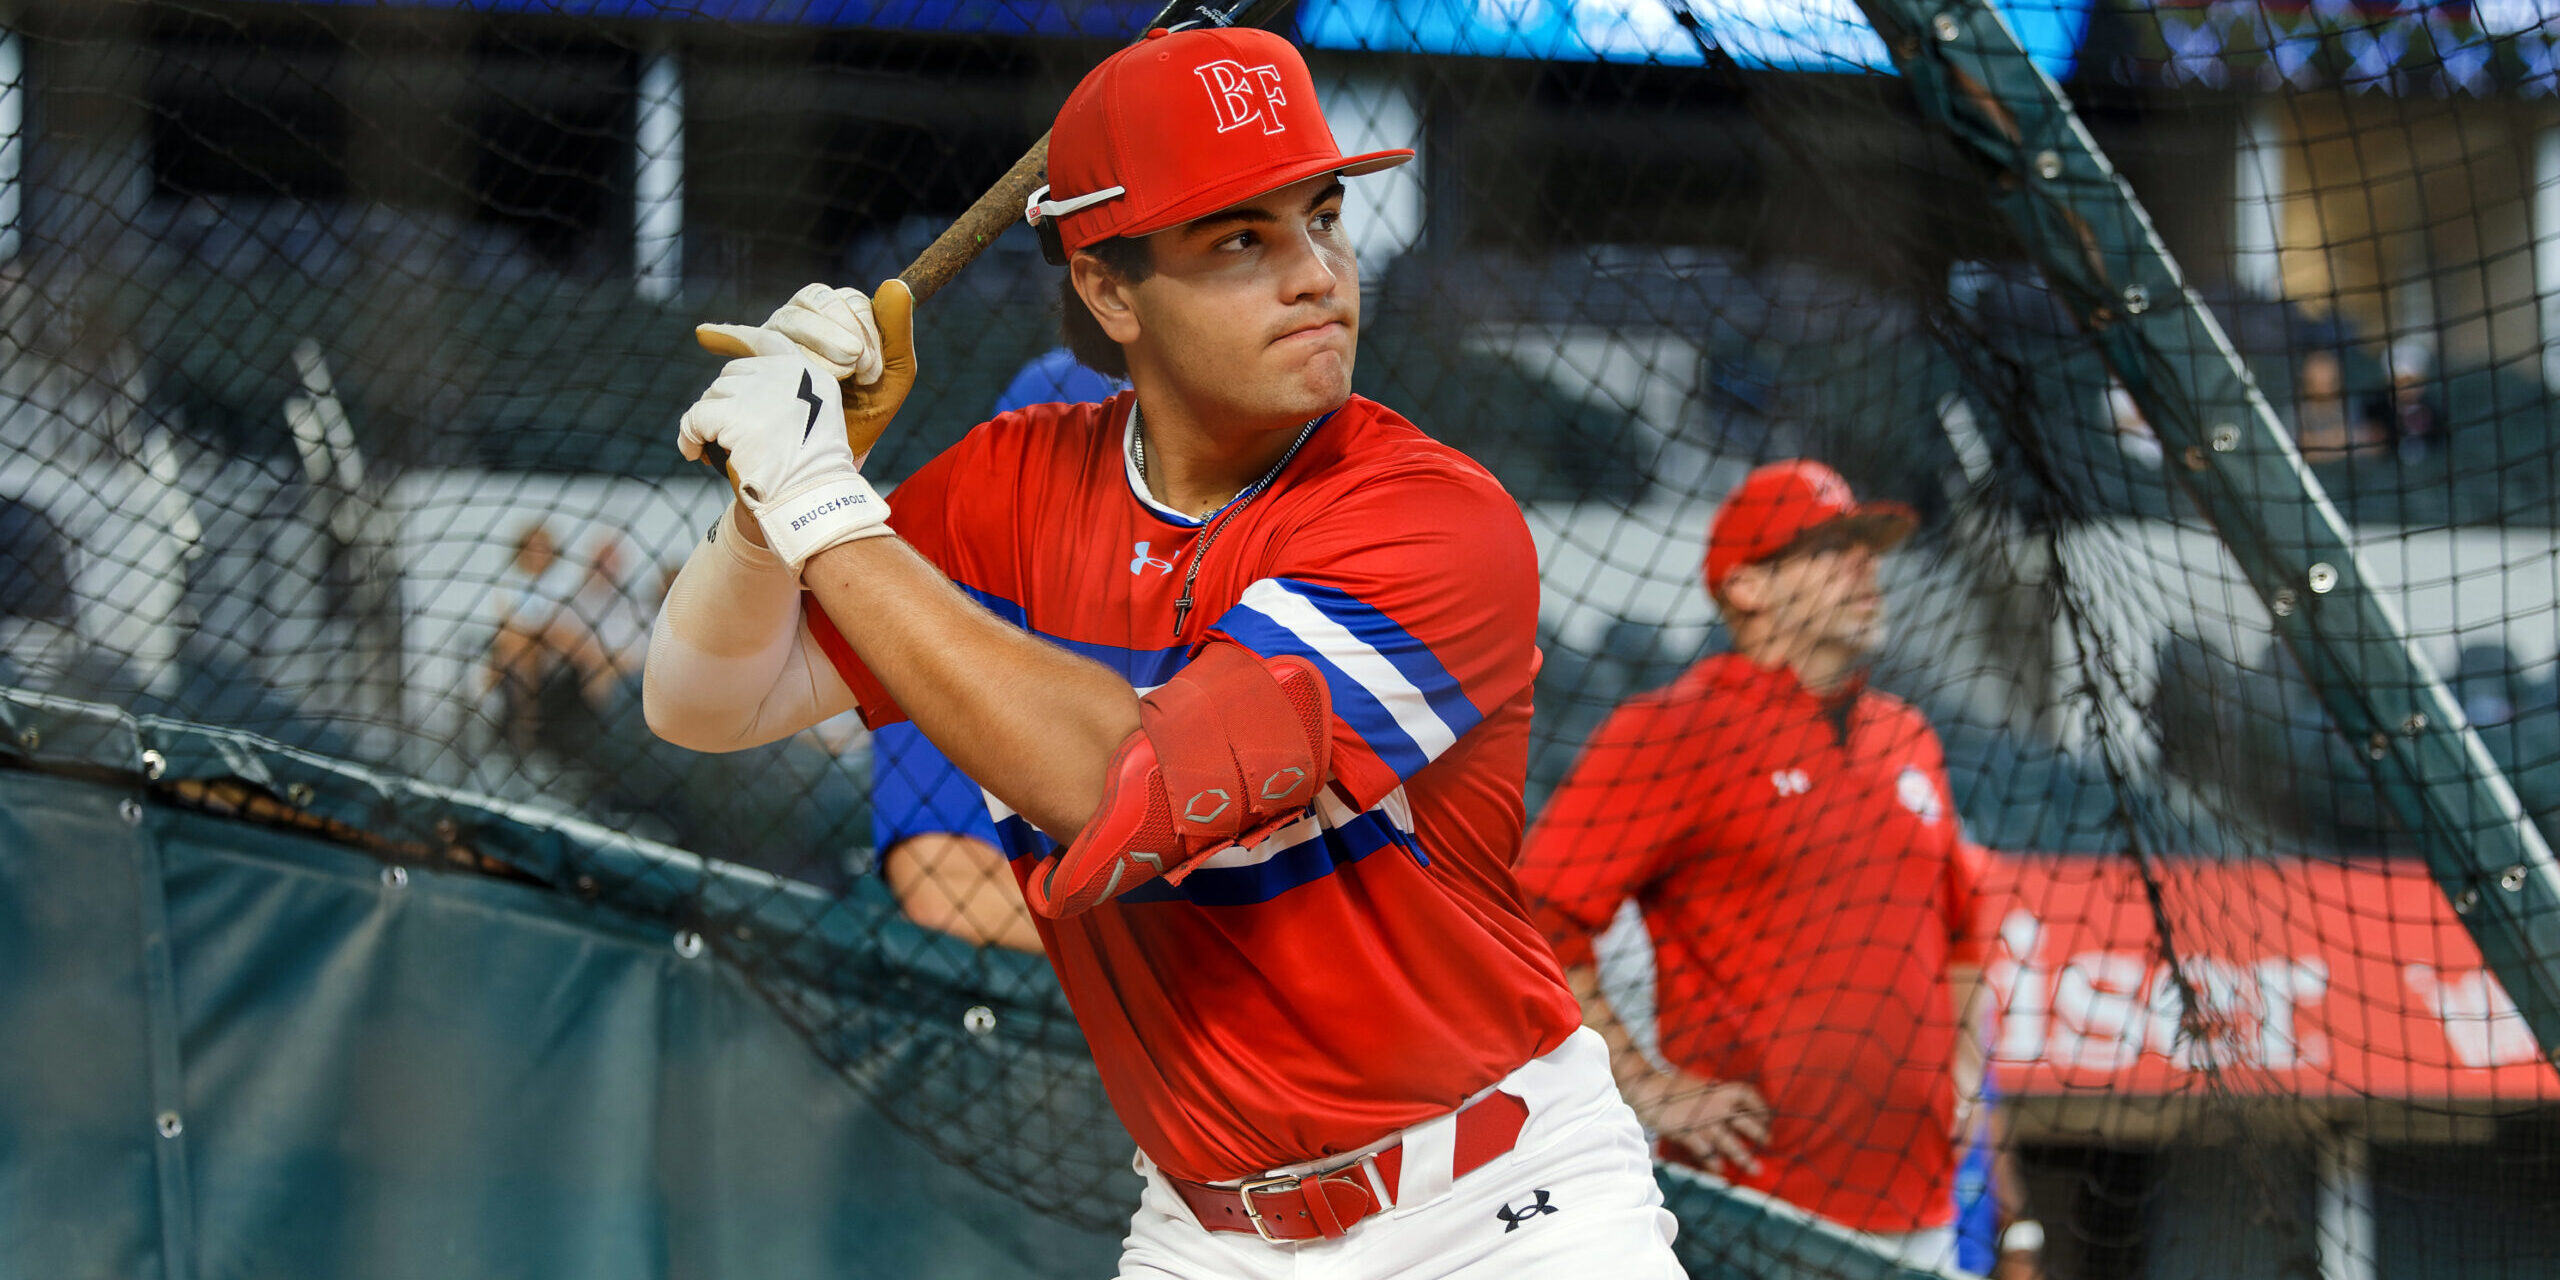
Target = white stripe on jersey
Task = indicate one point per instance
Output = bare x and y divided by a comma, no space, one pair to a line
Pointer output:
1329,813
1300,617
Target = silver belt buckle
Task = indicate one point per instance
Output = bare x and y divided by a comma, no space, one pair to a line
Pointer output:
1245,1190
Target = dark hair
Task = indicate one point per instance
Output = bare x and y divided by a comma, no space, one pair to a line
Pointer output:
1132,262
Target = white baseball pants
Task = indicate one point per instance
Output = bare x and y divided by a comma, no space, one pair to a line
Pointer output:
1576,1197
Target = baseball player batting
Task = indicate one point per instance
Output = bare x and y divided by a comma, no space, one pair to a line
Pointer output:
1247,661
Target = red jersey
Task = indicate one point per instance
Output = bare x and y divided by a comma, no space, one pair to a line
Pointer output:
1370,966
1802,872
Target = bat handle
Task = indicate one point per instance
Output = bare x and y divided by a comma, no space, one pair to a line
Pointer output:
961,242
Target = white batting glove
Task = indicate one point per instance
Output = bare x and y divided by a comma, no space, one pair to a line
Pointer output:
803,484
837,329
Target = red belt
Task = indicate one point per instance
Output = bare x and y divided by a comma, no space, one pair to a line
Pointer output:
1328,1203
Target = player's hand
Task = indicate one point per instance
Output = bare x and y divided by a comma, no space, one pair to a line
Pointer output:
2018,1264
835,327
1714,1122
802,484
867,344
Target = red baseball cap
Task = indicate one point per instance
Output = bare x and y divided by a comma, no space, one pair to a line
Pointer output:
1183,124
1776,506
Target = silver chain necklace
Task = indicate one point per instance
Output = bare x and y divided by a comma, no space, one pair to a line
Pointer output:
1138,455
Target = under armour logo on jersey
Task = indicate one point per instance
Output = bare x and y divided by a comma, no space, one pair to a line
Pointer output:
1791,782
809,393
1917,794
1512,1218
1142,562
1241,95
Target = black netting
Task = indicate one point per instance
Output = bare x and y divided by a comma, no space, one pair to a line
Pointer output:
344,345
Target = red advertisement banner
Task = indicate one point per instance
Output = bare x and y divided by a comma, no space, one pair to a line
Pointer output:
2300,978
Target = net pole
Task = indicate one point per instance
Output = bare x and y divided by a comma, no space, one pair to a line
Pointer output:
2082,225
657,186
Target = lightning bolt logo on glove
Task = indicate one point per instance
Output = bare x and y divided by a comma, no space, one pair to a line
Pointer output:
866,344
805,488
809,392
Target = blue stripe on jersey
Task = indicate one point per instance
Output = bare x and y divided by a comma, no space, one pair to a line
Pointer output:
1410,656
1019,839
916,790
1352,700
1331,848
1302,863
1142,668
1386,684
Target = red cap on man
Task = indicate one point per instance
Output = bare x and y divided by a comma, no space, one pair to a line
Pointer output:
1781,504
1183,124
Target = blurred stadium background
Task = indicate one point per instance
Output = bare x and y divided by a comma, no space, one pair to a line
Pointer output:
335,335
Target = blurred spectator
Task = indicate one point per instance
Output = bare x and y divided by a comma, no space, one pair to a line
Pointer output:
544,660
617,625
1790,839
939,850
2416,421
37,639
938,845
1054,377
2325,426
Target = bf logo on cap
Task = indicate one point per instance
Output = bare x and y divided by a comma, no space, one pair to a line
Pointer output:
1240,95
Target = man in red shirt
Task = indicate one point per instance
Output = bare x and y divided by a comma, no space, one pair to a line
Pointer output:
1790,839
1340,1042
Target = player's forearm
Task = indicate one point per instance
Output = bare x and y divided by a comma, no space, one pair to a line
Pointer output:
729,665
1972,1048
1626,1061
1034,723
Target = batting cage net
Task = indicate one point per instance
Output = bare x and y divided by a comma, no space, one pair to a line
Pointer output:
2208,348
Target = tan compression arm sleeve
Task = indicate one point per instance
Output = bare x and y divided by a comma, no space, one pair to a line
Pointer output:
731,663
